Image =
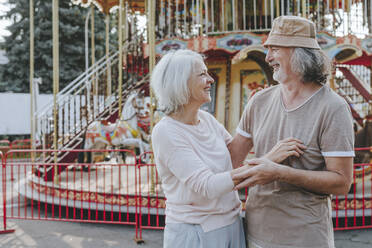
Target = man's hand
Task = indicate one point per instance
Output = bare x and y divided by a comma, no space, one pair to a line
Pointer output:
257,172
239,171
284,149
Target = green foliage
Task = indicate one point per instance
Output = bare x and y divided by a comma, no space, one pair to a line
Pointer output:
14,76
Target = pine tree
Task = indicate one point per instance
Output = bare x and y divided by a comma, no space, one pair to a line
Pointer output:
14,76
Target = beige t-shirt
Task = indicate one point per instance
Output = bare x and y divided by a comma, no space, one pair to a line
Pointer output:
194,165
280,214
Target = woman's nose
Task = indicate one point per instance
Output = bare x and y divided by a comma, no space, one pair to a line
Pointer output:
210,79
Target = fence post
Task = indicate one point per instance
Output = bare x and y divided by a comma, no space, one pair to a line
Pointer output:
138,214
3,180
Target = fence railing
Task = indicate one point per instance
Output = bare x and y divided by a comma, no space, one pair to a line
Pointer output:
126,190
354,210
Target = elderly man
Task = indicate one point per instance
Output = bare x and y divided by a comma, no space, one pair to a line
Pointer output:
302,134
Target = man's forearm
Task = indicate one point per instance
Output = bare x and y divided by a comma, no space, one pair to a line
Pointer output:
323,182
239,148
336,179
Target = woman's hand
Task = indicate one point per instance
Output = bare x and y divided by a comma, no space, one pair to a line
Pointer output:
284,149
239,171
257,172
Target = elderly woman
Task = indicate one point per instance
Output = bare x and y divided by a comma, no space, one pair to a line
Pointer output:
190,148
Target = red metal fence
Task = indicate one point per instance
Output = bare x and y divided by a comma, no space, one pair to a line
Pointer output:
123,190
4,229
152,212
354,210
4,146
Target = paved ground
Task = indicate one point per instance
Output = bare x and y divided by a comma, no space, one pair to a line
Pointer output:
354,239
41,234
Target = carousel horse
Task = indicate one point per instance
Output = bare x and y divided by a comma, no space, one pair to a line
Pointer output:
130,130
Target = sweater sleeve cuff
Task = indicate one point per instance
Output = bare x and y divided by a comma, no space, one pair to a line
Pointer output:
223,183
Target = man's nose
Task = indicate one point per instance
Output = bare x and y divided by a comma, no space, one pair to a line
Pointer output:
268,57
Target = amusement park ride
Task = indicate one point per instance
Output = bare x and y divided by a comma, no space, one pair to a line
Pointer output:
230,34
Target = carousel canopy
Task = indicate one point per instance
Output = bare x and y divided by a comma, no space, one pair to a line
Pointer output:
106,5
365,60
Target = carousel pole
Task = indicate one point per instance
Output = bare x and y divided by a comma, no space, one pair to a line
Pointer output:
108,69
126,32
55,84
370,96
224,21
272,10
206,18
304,8
177,16
332,78
93,59
32,126
151,40
120,34
88,93
201,18
277,7
254,14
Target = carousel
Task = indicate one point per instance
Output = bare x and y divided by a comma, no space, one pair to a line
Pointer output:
95,148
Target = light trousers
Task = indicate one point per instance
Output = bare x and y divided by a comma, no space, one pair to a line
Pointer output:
182,235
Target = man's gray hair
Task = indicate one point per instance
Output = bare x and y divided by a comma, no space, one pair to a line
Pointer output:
312,64
170,76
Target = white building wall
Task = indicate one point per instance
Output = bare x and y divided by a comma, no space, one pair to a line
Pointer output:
15,112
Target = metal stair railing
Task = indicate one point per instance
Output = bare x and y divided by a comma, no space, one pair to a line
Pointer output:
72,102
76,83
354,113
347,89
84,99
355,81
87,99
363,74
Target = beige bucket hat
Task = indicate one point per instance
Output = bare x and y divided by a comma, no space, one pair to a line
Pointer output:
292,31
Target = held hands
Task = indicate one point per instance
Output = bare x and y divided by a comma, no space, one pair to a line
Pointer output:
267,169
240,171
284,149
256,172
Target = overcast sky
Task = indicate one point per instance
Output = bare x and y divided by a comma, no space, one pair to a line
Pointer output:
3,23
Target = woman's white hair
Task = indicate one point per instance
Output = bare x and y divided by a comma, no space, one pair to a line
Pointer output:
170,76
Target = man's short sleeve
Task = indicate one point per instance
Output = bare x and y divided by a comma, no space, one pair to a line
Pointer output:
337,138
245,125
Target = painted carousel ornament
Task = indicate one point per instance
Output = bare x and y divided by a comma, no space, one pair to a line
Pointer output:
131,130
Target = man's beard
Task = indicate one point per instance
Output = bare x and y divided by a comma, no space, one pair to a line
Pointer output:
278,75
